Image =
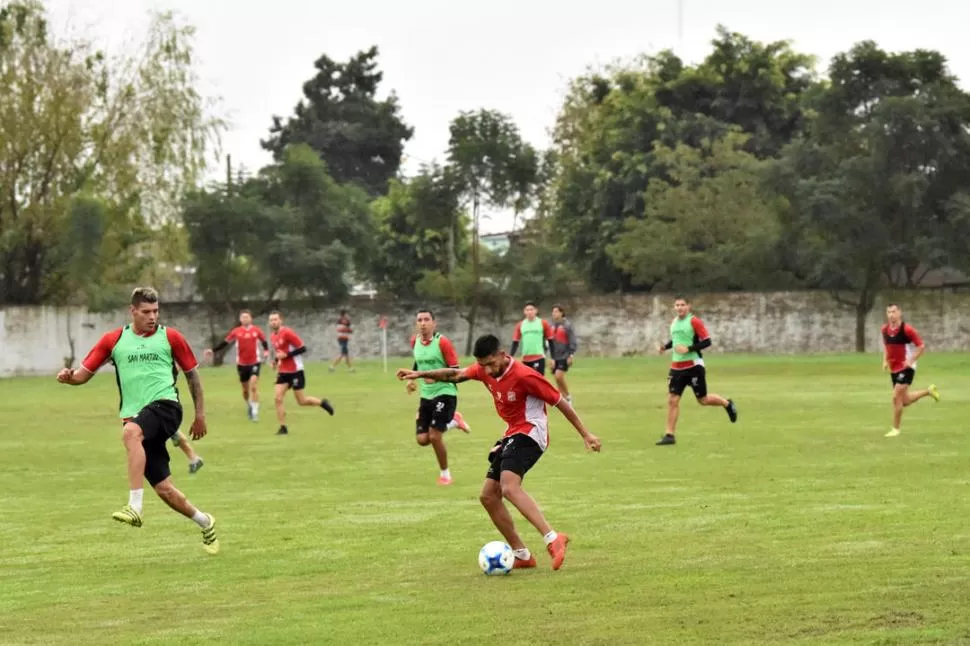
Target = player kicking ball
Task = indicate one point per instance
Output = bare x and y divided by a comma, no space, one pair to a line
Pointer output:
902,347
521,395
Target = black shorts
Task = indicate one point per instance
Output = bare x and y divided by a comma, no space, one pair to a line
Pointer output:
295,380
159,421
344,346
904,377
246,372
517,453
436,413
560,365
695,377
539,365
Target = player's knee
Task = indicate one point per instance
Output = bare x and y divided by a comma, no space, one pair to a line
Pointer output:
673,399
489,498
434,435
132,433
424,439
165,489
509,489
278,398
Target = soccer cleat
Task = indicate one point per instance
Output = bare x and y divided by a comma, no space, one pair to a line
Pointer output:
128,515
461,423
283,431
327,406
195,466
557,550
444,480
210,543
732,411
934,393
331,369
892,433
667,439
524,564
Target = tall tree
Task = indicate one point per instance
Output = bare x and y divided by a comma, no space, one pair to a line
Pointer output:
877,184
419,229
711,225
360,137
489,162
132,130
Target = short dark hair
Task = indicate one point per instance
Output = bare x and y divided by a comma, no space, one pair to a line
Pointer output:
277,313
425,310
559,307
681,297
532,303
144,295
343,312
241,312
888,305
486,346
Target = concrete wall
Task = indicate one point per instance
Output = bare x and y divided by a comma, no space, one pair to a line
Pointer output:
35,340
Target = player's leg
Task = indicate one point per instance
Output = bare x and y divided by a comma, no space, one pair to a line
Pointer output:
279,392
243,373
253,384
519,454
132,436
676,384
299,383
182,442
458,421
913,396
494,504
442,413
699,385
559,372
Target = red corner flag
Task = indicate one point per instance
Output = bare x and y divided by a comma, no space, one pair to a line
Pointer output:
383,322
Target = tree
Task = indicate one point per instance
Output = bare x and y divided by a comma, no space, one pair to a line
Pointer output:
489,163
131,130
710,226
876,186
360,138
417,224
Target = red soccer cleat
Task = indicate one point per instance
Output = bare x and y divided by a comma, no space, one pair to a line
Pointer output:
444,480
524,564
461,423
557,550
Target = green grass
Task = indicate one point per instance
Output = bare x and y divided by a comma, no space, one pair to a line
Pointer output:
800,524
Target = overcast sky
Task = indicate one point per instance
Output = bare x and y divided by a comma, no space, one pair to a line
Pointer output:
442,56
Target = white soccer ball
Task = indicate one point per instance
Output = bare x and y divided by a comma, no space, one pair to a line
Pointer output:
496,558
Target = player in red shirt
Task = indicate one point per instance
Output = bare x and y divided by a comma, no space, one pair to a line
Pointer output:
247,338
521,396
902,347
533,339
288,354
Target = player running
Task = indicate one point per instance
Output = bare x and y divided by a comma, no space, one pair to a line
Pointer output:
562,348
688,337
288,363
437,410
533,333
247,338
147,357
521,396
902,347
182,442
344,331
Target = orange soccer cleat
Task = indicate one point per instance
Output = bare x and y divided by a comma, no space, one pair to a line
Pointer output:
461,423
522,564
557,550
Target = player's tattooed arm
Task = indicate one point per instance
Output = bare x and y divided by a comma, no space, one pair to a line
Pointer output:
195,389
449,375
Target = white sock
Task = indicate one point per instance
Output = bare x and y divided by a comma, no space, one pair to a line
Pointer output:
523,555
135,499
255,407
201,519
445,473
550,537
452,424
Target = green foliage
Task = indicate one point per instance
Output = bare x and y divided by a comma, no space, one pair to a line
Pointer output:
360,138
131,130
709,225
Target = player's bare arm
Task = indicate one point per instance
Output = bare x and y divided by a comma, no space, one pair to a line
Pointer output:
74,377
449,375
199,429
591,441
662,347
920,349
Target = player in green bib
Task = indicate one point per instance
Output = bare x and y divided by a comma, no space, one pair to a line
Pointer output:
147,357
532,334
438,408
688,337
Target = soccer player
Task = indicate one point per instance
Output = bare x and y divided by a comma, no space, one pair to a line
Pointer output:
147,357
437,409
521,396
688,337
533,333
344,330
562,348
247,338
288,363
902,347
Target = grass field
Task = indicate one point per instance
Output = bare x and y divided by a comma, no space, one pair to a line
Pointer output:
801,524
